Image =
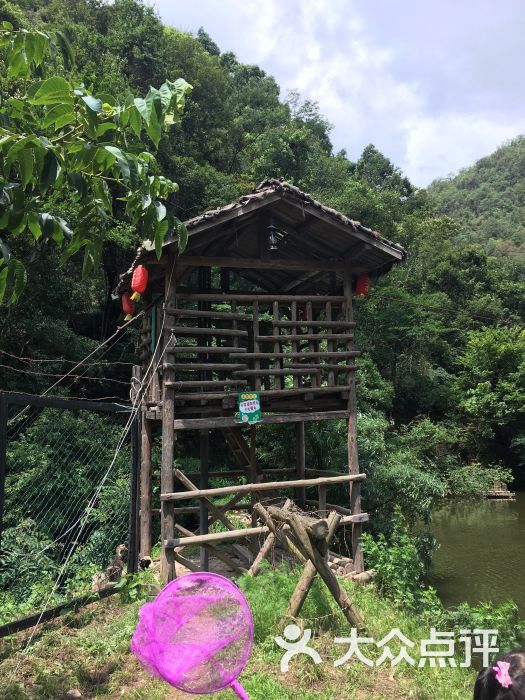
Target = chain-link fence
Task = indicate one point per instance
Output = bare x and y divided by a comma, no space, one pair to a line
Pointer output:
68,471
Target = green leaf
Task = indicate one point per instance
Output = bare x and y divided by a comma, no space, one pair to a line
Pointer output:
143,108
3,282
160,233
12,153
105,127
94,104
5,250
55,90
50,171
122,162
67,50
7,25
161,211
26,161
41,46
34,226
135,121
154,128
55,113
16,279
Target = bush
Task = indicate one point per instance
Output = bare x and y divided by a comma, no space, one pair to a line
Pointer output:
399,569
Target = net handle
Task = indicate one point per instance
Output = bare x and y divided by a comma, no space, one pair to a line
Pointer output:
239,691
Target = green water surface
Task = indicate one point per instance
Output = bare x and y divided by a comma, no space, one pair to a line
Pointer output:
482,552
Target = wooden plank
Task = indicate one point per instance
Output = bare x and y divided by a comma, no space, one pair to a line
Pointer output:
247,298
206,384
305,336
290,371
205,366
270,419
207,350
302,392
315,324
219,315
194,330
297,354
263,486
258,264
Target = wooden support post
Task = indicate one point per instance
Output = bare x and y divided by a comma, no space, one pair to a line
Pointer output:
266,548
253,472
145,486
340,595
307,578
300,494
280,536
218,513
322,500
167,561
204,483
353,459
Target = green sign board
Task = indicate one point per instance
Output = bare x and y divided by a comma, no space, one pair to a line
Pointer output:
249,406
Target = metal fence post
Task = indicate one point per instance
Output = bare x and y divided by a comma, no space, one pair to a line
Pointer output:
3,456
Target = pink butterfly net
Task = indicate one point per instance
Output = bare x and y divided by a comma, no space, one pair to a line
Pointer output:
197,634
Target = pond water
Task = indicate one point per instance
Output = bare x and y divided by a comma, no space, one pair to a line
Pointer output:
482,552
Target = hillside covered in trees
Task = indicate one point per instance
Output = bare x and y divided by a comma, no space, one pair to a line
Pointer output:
488,201
442,377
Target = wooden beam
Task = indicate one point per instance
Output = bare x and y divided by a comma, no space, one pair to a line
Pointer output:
218,296
167,561
232,534
264,486
259,264
300,462
145,487
269,419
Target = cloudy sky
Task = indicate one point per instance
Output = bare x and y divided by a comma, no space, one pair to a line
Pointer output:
434,84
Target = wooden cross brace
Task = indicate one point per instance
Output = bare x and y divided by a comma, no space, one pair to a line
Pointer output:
310,547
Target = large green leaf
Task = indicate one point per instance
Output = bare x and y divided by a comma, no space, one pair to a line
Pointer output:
18,146
94,104
121,160
67,50
27,163
34,226
55,90
50,171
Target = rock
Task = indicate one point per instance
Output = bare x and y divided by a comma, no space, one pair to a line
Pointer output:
73,693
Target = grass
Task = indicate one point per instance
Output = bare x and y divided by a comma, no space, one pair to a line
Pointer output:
88,651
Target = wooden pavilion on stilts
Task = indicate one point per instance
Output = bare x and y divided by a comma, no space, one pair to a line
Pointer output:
260,300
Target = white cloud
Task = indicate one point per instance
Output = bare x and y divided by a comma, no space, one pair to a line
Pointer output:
440,146
412,84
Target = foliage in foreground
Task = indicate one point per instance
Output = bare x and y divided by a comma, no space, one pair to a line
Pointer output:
58,139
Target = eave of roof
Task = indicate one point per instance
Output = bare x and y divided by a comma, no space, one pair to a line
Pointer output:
268,191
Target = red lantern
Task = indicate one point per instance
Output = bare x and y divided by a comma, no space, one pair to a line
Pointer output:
363,286
138,282
128,306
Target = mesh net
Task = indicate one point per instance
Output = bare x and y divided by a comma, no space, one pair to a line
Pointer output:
197,634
